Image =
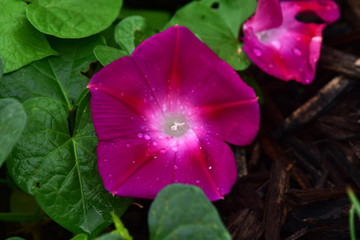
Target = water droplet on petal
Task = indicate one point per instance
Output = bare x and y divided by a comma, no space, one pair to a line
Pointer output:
144,100
154,144
257,52
128,145
110,175
197,181
139,135
146,137
174,149
210,167
133,162
276,44
157,179
270,65
297,52
137,178
175,167
105,160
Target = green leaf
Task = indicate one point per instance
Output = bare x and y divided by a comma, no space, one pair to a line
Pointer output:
132,31
59,168
58,77
120,228
213,29
110,236
1,68
234,12
12,123
72,18
184,212
15,238
157,18
106,54
80,236
20,42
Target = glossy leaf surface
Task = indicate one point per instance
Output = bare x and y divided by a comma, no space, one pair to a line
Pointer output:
20,42
58,167
12,123
72,18
184,212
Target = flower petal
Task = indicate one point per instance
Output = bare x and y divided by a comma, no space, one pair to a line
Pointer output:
268,15
227,107
145,169
291,50
172,60
121,100
133,168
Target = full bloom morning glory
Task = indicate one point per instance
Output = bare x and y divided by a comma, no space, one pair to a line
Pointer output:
281,45
163,116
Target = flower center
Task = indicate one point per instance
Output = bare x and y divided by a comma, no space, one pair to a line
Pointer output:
176,125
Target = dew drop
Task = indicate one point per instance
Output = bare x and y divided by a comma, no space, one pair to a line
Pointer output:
270,65
122,94
139,135
175,167
146,137
174,149
105,160
133,162
276,44
154,144
157,179
128,145
96,88
257,52
210,167
137,178
197,181
297,52
144,100
110,175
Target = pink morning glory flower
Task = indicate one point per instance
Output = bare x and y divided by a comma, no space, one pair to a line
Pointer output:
163,116
281,45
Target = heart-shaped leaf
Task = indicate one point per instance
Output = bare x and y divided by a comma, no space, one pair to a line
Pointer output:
20,42
72,18
57,77
184,212
58,167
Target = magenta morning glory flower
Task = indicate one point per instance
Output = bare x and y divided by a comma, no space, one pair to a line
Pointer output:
281,45
162,116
